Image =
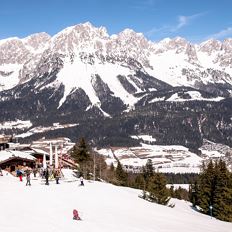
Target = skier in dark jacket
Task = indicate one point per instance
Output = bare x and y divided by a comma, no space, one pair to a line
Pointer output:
34,172
57,176
82,180
46,174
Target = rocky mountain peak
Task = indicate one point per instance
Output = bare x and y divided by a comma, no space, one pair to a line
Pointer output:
13,51
178,44
191,53
37,41
227,45
128,37
87,29
18,51
210,46
78,37
129,44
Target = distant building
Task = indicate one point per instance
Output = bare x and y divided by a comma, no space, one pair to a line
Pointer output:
16,155
4,142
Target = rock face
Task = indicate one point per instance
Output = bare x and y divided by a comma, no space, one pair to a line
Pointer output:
83,75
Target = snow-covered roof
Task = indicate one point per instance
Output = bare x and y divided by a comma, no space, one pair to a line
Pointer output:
40,151
7,154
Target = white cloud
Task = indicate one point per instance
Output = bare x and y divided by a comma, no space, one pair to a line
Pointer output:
222,34
181,22
185,20
160,30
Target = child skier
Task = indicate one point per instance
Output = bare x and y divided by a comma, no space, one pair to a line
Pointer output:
76,215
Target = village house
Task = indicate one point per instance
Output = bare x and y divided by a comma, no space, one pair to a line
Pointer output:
13,160
4,142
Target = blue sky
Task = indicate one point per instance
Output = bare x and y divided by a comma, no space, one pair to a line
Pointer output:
196,20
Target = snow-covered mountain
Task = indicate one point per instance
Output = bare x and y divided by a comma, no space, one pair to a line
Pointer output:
86,51
83,73
19,57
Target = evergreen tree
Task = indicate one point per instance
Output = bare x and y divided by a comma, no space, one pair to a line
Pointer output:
157,189
193,193
181,194
81,155
121,175
214,188
100,166
222,204
139,182
110,174
148,172
205,193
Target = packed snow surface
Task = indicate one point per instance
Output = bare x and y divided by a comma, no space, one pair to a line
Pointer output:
102,207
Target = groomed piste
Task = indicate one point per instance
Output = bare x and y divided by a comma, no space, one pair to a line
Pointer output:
102,207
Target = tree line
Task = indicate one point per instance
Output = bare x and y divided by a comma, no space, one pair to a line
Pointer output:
212,191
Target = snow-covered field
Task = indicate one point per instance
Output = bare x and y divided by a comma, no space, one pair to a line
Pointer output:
173,158
19,124
41,129
103,207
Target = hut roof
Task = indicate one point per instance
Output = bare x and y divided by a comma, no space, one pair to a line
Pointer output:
8,155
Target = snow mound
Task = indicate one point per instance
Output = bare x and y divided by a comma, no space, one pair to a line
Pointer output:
69,174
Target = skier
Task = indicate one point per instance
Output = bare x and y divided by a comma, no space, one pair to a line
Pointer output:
57,176
82,180
46,174
34,172
28,178
76,215
20,176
